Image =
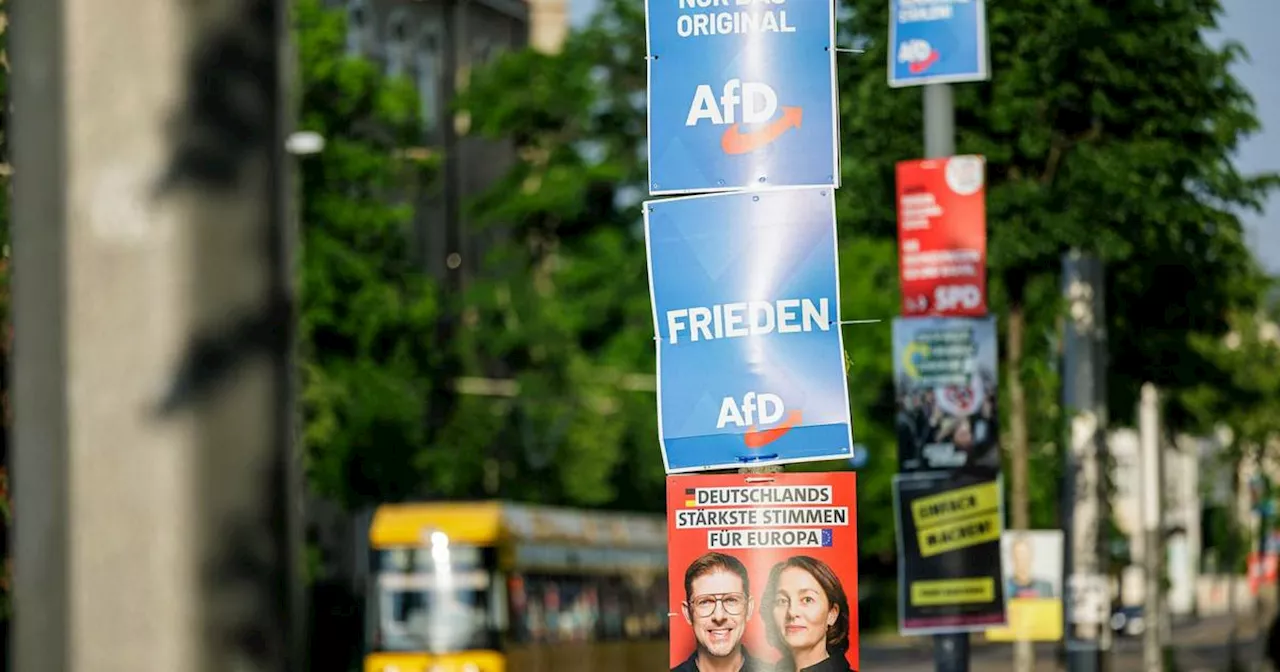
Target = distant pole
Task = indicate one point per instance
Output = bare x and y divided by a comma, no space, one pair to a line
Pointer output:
455,35
157,517
939,121
950,652
1261,505
1152,551
1088,604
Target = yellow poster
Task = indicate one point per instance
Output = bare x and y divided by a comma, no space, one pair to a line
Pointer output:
1032,569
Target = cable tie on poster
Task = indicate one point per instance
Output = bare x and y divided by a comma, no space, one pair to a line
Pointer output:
758,479
848,50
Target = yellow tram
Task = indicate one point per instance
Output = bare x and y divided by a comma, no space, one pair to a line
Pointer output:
501,587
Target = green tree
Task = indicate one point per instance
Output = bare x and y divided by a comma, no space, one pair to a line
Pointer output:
1242,390
1083,151
1106,128
562,308
367,308
579,124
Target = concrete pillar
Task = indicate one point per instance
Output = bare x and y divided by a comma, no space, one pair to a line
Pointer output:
153,479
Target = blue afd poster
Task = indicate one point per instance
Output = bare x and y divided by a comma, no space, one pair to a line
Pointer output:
742,93
937,41
750,356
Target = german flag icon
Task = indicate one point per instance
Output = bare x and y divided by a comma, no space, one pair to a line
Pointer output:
688,497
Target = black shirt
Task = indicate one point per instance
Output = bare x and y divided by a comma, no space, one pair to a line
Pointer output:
749,664
834,663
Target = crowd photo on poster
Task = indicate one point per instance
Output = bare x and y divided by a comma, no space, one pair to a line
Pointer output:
945,371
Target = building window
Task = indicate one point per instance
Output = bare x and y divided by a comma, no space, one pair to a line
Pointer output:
398,45
482,51
359,23
427,57
563,608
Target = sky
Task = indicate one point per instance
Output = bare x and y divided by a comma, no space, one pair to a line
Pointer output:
1253,23
580,10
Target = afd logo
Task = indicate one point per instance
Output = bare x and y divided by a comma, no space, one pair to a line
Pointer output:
741,103
919,55
756,411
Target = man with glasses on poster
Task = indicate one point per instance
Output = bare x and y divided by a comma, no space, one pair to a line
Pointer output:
717,606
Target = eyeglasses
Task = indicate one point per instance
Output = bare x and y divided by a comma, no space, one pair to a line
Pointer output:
733,603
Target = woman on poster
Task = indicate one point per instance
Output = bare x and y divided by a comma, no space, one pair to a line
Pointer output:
808,616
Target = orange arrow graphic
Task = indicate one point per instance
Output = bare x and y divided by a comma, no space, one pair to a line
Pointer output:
736,142
920,66
755,438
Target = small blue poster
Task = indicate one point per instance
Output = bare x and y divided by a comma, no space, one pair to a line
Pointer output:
742,94
937,42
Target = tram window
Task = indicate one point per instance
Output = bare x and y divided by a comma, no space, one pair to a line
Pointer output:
441,602
547,609
555,608
658,609
613,609
519,608
649,610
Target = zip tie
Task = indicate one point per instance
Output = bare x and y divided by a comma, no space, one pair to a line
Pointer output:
848,50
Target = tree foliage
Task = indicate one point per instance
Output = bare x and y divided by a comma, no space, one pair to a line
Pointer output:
368,309
1106,128
562,307
569,295
1244,391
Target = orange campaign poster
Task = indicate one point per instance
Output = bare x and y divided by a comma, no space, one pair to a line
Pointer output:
763,572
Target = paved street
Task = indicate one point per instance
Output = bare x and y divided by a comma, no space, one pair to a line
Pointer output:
1200,647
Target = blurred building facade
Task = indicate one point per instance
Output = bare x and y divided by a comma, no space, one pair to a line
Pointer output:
436,44
1204,492
1182,514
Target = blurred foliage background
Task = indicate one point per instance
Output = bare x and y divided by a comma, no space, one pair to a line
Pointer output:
1107,127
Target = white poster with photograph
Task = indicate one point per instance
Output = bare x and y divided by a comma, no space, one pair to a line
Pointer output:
1031,562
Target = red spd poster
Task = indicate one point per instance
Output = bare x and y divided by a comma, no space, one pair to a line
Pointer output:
942,236
1263,569
764,572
